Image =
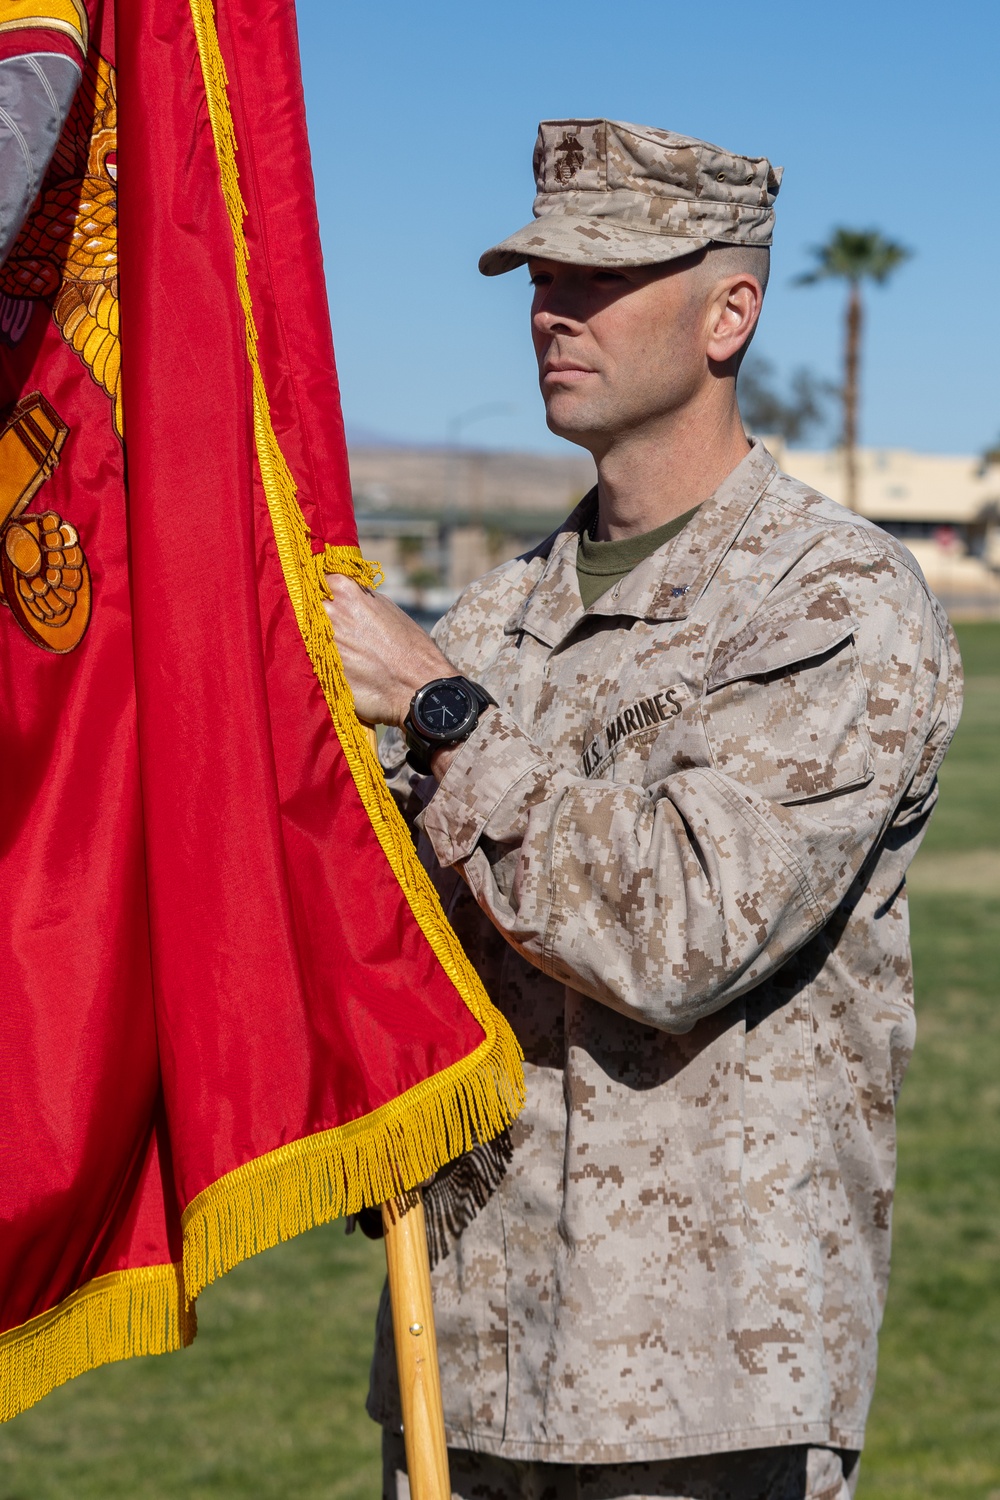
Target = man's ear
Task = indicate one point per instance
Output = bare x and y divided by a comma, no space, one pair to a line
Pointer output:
733,317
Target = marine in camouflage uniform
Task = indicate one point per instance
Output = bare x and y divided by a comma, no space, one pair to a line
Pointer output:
676,851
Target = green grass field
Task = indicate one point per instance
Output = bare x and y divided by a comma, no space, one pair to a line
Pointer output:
269,1402
935,1426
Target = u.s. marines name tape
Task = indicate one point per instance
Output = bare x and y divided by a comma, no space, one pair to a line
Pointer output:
645,713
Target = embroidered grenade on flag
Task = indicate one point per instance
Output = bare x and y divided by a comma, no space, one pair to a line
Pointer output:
44,577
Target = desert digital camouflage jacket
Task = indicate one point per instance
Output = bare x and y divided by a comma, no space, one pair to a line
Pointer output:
676,853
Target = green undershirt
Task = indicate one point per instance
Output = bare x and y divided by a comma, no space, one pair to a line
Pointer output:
600,565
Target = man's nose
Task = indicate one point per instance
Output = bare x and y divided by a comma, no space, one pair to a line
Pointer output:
552,318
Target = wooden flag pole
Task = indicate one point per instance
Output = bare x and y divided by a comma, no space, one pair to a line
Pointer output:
416,1347
416,1340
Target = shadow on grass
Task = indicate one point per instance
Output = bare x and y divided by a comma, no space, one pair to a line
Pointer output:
267,1404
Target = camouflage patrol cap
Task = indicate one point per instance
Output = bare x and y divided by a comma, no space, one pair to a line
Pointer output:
611,194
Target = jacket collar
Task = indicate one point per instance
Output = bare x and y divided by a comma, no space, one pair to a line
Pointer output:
663,586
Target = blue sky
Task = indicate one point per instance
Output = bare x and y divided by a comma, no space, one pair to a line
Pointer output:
422,120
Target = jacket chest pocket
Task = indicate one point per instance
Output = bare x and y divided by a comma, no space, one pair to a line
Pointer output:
785,704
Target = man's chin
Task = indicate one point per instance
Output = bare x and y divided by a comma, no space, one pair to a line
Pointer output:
573,426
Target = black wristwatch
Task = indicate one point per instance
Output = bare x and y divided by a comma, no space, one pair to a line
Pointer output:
442,712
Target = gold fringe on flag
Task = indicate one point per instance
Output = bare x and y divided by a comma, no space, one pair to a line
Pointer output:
401,1143
321,1177
140,1311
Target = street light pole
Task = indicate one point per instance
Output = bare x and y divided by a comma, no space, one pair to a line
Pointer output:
456,425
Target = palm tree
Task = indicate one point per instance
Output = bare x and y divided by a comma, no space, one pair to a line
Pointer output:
854,256
990,456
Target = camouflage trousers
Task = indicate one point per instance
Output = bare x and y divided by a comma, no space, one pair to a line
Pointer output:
797,1473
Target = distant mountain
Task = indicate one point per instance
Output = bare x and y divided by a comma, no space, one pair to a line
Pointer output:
483,482
372,440
360,437
368,437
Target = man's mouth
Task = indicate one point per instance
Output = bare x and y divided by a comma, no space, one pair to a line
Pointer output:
560,371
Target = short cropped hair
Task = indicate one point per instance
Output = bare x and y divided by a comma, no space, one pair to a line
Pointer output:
731,260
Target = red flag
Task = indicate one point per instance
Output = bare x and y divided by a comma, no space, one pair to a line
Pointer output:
232,1006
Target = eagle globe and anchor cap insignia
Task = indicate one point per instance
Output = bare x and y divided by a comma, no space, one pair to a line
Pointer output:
569,158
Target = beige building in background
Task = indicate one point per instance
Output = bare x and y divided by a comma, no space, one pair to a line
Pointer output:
436,518
944,508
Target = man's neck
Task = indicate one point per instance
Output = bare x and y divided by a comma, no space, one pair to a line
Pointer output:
647,477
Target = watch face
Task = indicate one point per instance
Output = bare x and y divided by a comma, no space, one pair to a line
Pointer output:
443,710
